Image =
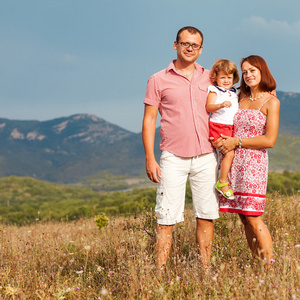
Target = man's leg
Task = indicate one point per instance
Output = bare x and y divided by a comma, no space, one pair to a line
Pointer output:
170,198
204,237
163,243
206,208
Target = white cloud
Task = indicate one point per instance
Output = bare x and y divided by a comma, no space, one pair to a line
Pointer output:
273,28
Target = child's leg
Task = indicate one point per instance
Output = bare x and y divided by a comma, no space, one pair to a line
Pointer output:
225,168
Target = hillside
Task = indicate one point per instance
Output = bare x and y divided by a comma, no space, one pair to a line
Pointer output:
71,148
27,200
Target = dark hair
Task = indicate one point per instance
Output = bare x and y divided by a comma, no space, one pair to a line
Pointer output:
227,67
267,83
190,29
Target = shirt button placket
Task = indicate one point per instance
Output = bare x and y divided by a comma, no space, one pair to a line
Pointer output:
194,109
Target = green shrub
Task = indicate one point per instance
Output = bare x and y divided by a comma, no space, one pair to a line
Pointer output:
101,221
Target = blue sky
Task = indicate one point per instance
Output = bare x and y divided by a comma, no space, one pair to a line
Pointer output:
62,57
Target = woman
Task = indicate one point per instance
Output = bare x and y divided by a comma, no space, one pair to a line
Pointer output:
255,129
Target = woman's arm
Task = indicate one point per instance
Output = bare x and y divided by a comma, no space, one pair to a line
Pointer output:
264,141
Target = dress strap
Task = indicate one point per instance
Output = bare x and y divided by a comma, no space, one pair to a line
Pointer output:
242,99
265,102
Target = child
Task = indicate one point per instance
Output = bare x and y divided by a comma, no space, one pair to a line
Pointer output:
222,103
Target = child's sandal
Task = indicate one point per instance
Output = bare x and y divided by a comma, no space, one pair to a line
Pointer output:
229,194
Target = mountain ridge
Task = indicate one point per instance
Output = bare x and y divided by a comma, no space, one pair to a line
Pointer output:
68,149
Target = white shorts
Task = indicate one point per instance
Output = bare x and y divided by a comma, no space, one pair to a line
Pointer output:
170,199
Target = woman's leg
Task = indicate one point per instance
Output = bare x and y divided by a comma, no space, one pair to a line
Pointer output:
258,237
251,239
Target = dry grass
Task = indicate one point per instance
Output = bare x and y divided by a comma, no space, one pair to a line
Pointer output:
77,261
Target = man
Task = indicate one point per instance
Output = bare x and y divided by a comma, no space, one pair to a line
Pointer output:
179,94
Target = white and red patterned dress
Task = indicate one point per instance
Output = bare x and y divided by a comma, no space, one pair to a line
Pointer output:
249,171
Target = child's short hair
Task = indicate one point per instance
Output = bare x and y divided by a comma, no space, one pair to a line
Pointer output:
227,67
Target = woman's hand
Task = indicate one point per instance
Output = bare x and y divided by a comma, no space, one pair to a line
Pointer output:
228,143
217,144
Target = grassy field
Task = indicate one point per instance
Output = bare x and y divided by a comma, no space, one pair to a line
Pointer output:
76,260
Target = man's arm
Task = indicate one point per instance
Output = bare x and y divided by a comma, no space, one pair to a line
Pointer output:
148,133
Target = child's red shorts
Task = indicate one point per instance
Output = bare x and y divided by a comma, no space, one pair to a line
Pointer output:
216,129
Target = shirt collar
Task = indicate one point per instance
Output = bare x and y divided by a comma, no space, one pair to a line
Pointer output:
171,66
232,89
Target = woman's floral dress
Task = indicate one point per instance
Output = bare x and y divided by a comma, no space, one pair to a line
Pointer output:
249,171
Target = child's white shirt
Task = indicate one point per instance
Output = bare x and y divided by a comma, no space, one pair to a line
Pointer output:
225,115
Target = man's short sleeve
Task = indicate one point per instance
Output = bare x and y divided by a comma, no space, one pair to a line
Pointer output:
152,96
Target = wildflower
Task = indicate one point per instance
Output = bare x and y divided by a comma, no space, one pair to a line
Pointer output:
99,268
11,291
87,248
160,290
77,288
222,267
297,246
104,292
143,245
79,272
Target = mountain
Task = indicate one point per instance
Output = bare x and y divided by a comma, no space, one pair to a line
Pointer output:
289,113
46,150
69,149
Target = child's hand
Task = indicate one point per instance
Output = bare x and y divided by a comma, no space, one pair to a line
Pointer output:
226,104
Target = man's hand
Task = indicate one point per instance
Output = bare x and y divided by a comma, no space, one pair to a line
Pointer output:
153,171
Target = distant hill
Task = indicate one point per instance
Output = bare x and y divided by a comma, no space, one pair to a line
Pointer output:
51,149
289,113
71,148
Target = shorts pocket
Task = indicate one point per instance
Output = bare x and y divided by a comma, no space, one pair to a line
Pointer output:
159,207
166,154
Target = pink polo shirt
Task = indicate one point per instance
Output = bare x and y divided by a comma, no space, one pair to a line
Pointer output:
181,103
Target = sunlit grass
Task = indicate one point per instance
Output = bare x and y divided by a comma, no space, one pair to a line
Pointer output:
76,260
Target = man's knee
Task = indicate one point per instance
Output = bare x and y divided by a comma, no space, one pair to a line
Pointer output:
204,222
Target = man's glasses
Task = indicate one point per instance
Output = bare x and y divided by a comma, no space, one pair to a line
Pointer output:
187,45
